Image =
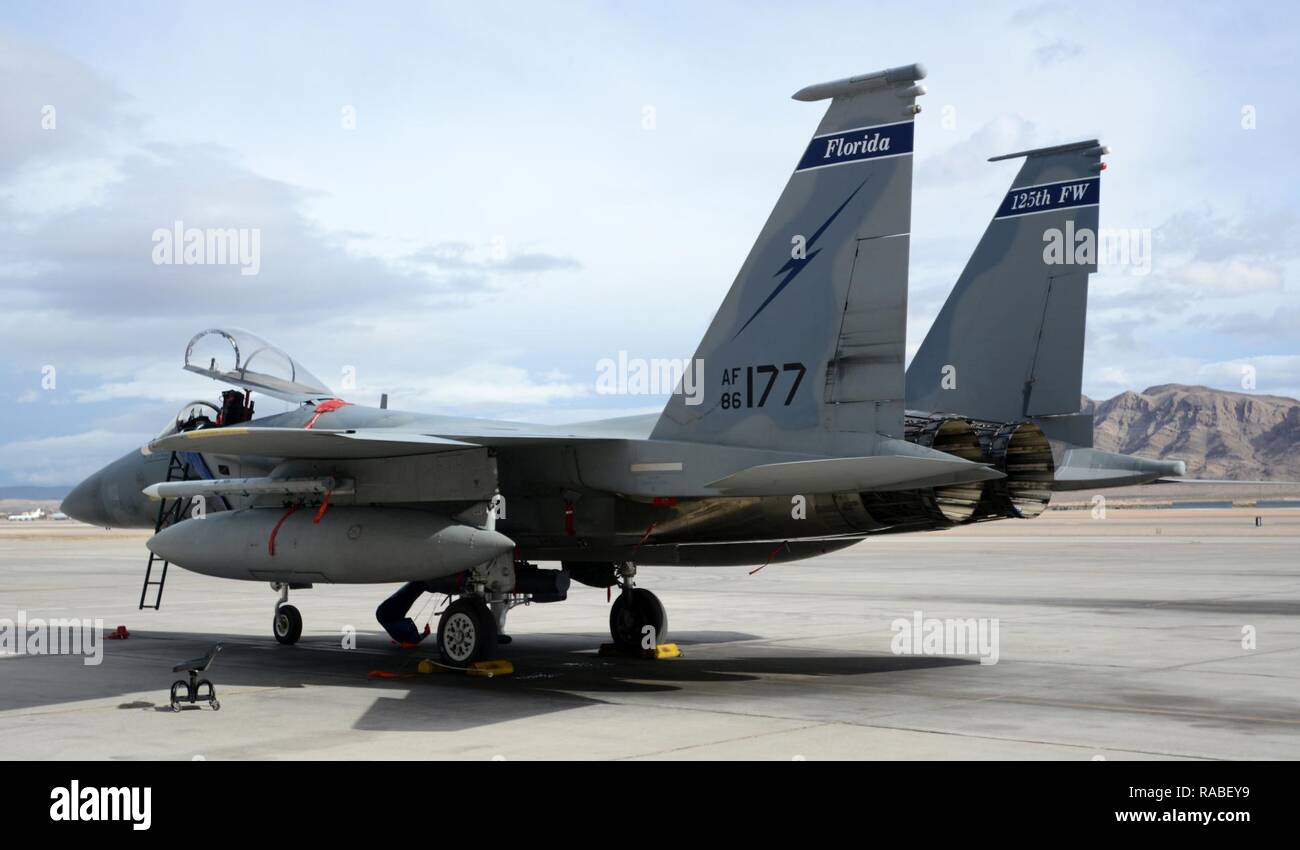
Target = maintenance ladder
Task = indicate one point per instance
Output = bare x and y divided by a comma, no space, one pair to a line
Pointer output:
170,512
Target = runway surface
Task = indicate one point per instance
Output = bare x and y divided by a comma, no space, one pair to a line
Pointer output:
1124,637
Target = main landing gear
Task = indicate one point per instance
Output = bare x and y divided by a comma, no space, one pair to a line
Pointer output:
467,632
637,619
287,624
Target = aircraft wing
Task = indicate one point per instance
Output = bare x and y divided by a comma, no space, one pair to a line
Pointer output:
878,472
1222,481
307,443
361,443
1088,468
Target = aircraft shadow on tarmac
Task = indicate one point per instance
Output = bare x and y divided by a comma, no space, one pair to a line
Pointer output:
552,673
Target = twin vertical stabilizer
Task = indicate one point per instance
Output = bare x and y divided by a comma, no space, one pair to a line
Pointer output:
806,352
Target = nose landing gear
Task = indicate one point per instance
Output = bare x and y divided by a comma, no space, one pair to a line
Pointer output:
287,624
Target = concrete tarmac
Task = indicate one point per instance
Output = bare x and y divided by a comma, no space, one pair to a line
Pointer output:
1147,634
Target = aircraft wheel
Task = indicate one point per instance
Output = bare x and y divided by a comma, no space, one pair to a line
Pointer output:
630,615
287,624
467,632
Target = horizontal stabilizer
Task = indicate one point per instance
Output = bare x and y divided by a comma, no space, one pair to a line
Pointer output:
835,475
1223,481
295,443
1086,469
249,487
1089,147
1091,469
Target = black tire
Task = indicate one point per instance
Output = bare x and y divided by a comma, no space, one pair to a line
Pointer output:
629,617
467,632
287,625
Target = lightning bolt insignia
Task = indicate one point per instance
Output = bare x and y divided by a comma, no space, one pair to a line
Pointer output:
796,264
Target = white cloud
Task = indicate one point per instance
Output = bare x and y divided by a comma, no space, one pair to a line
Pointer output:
486,384
1058,51
1278,374
64,459
1271,374
966,161
1229,277
156,381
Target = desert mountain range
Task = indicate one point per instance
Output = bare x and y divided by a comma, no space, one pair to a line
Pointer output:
1220,434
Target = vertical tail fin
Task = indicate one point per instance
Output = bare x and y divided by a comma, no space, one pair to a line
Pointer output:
1008,343
807,350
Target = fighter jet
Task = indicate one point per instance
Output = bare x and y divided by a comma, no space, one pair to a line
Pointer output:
798,443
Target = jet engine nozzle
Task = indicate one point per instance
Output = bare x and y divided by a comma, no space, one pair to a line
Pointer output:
934,507
957,437
1023,453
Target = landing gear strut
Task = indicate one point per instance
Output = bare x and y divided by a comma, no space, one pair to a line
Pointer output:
637,619
467,632
287,625
500,608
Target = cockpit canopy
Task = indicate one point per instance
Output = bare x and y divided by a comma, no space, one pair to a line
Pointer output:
246,360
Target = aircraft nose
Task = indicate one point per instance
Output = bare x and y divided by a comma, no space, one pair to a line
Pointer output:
86,502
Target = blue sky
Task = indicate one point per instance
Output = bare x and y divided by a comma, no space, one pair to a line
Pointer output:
501,218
